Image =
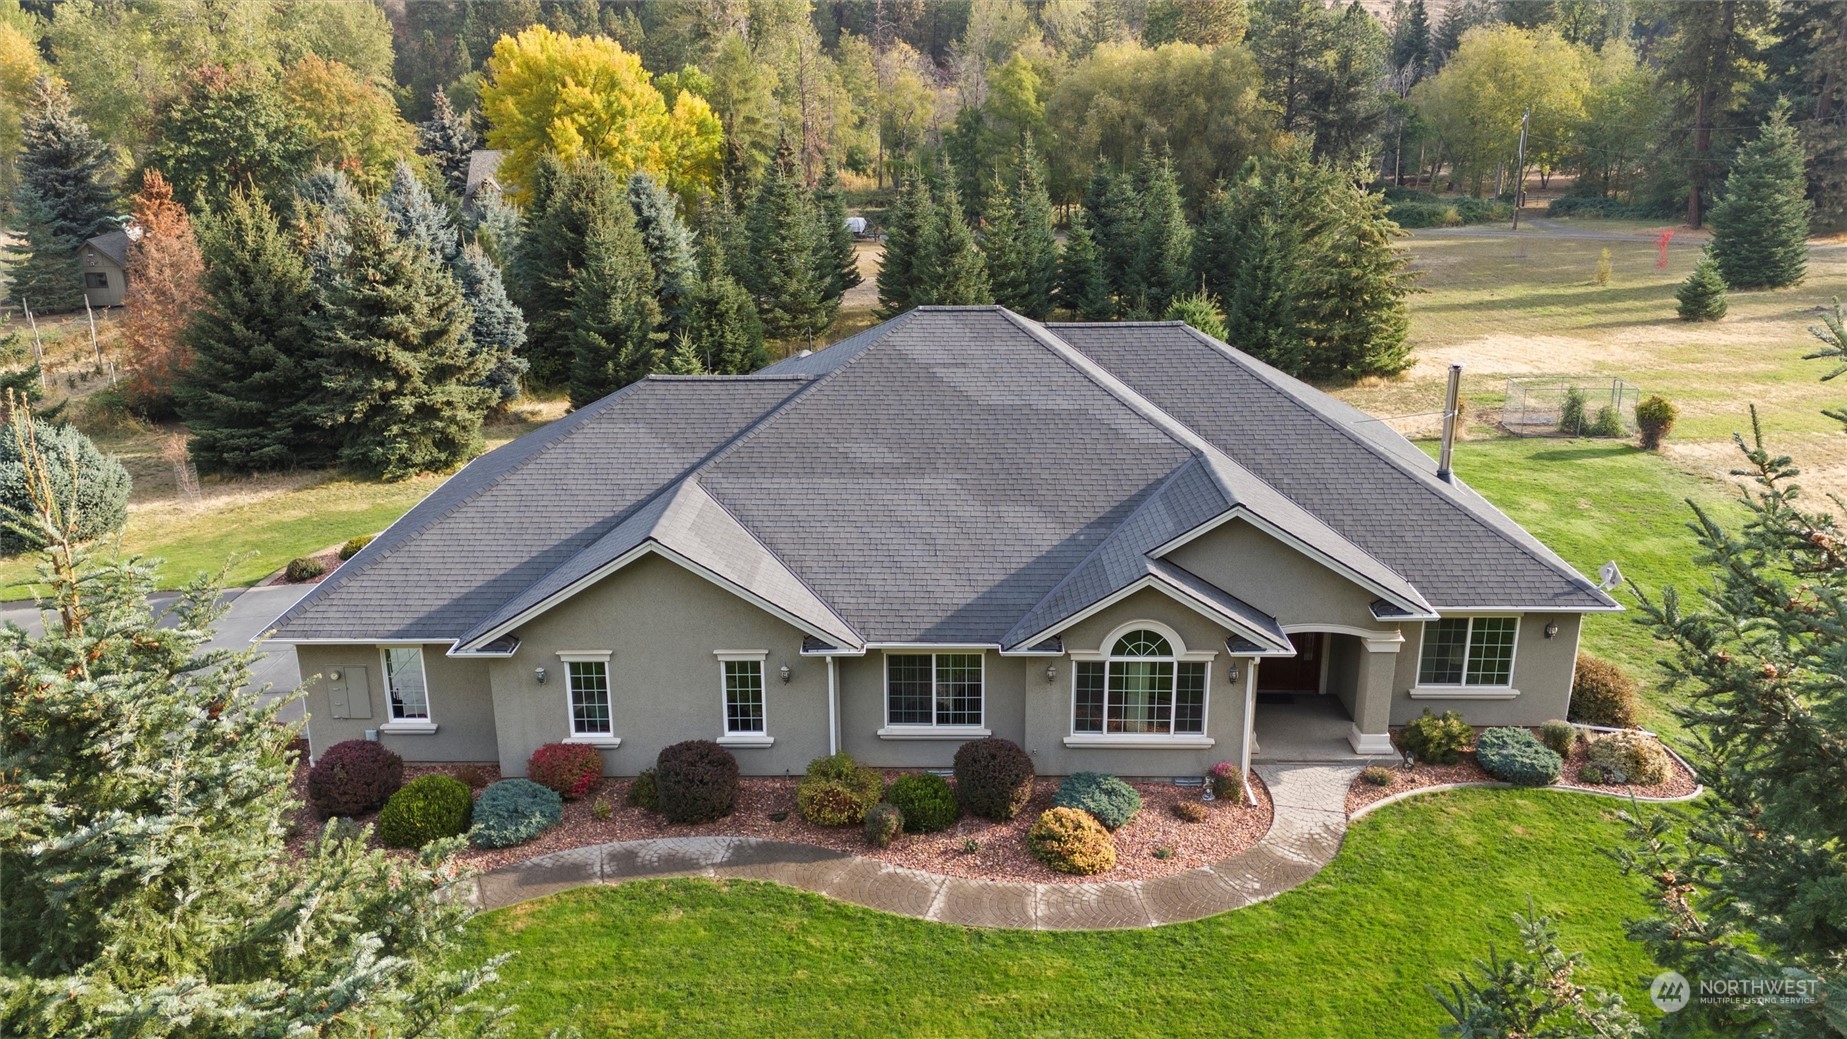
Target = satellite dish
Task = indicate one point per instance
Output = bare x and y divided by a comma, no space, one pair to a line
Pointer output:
1612,576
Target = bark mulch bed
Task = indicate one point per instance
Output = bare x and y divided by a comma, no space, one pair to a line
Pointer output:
1679,782
1000,848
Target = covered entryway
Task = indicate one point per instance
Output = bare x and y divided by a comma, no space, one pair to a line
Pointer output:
1330,702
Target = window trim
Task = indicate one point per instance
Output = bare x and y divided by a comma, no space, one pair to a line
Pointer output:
933,730
1466,690
743,739
424,726
589,656
1106,656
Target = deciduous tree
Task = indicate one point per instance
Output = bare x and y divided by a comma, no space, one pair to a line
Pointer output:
163,295
348,123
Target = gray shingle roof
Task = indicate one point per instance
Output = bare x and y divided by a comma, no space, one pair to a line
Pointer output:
956,475
113,245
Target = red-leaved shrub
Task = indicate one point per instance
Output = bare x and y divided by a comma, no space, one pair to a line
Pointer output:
352,778
572,769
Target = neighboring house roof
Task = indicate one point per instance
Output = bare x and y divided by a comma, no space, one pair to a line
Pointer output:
483,166
113,245
958,475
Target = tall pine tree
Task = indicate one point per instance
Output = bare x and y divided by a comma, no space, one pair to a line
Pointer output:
249,396
906,229
401,383
567,202
1114,212
499,329
952,272
784,272
448,139
66,166
1164,240
1760,228
418,218
723,329
670,250
614,316
839,261
1001,251
1032,208
41,264
1083,289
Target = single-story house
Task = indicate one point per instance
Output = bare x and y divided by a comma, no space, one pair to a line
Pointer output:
1127,547
483,169
104,260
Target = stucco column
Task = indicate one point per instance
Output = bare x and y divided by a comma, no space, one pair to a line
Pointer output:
1372,701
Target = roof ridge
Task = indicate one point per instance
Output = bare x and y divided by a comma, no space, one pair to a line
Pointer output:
1426,480
780,561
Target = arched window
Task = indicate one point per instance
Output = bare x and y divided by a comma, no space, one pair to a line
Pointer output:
1141,687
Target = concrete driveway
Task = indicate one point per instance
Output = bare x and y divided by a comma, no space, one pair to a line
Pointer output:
250,613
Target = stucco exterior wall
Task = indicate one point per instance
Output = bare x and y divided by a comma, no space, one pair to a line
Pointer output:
661,625
460,704
1542,673
1006,685
1275,578
1346,663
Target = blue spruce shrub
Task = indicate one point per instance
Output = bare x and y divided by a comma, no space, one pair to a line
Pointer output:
1516,756
1109,800
514,811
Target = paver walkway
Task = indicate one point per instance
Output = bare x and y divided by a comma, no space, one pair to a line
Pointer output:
1310,819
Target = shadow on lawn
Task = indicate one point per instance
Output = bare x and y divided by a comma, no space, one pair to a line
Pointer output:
1584,453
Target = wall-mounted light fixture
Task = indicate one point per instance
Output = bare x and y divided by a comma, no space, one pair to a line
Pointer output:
1231,672
1552,630
784,673
333,676
539,673
1051,672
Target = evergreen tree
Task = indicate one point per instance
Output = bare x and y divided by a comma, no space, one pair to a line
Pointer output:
66,166
1354,290
1701,296
1032,208
147,804
614,315
906,228
724,329
41,264
1215,245
1199,310
683,359
496,225
1260,313
1082,286
566,204
1411,43
401,384
418,218
670,250
785,245
1002,253
951,272
248,397
323,205
1760,229
499,329
448,138
92,485
839,261
1164,240
1114,212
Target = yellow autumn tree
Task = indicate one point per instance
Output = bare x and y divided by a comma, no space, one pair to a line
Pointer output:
585,97
19,69
352,123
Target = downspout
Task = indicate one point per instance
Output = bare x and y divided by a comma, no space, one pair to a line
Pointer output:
1250,726
833,710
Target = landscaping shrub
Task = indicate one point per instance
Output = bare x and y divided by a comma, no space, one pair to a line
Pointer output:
1377,775
642,793
353,545
1571,411
1516,756
81,476
1604,268
572,769
928,803
1227,781
1436,740
353,777
1655,416
994,778
1592,775
1070,841
601,810
1559,736
1601,694
883,824
303,568
1701,297
427,808
696,782
514,811
1637,757
838,791
471,776
1609,423
1189,811
1108,799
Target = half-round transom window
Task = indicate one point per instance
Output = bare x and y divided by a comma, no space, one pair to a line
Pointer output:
1142,643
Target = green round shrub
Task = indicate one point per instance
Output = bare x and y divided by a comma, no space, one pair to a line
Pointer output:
1602,694
1638,757
994,778
928,803
1516,756
1655,416
642,793
1070,841
1592,774
303,568
1436,740
1108,799
514,811
697,781
423,810
353,545
838,791
100,495
884,822
1377,775
1559,736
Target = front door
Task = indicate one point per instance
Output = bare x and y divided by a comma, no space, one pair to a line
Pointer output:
1298,674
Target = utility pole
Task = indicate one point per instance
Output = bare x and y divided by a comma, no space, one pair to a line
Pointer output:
1520,167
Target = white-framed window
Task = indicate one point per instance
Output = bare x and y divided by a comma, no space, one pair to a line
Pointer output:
406,687
742,700
1144,686
1468,651
934,690
590,713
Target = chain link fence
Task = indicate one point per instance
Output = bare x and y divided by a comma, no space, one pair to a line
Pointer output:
1570,407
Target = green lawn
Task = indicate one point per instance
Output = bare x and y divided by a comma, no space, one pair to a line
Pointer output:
1418,890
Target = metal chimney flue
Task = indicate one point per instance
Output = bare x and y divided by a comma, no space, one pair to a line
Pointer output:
1452,403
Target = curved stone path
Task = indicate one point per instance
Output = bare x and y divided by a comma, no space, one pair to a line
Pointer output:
1309,821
